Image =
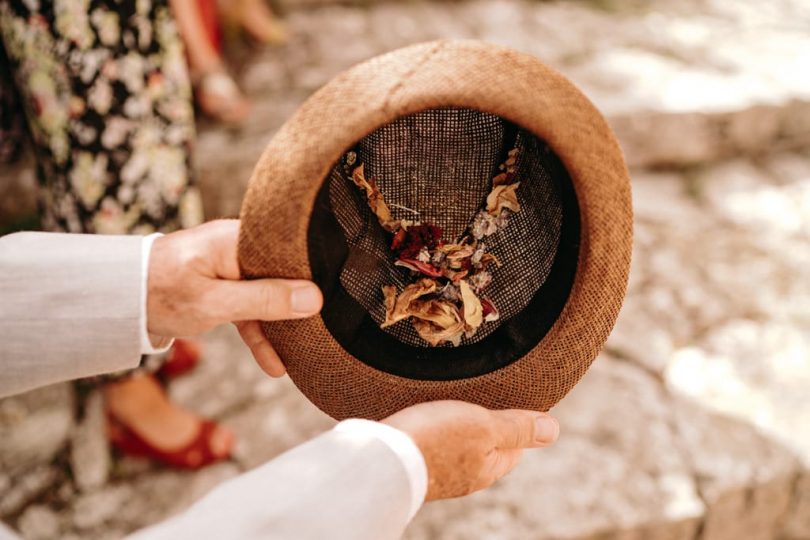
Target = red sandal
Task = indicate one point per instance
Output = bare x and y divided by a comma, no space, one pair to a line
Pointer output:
195,455
183,357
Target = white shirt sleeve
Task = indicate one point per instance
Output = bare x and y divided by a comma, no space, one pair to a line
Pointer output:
405,449
361,480
148,344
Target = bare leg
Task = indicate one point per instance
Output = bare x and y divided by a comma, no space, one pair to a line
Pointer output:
202,55
257,19
139,403
216,93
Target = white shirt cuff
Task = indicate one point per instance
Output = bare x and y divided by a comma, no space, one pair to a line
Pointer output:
148,346
404,447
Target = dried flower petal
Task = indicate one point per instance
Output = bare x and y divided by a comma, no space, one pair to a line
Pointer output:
472,313
501,179
437,258
418,237
503,220
390,300
489,310
435,335
419,267
479,254
480,280
440,312
399,238
454,276
450,292
487,259
375,199
452,247
501,197
457,251
401,308
483,225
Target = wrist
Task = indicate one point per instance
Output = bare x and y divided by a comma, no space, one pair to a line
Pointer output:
406,450
150,343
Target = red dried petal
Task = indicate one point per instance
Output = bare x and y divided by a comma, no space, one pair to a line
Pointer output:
419,266
398,239
417,237
489,311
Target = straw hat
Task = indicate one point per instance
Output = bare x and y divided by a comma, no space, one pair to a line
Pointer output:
435,125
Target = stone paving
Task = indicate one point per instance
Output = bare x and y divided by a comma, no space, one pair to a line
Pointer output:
695,420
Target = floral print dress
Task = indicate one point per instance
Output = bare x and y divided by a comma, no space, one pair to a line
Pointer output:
12,131
105,89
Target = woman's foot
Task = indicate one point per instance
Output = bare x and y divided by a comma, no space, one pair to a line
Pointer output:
144,422
219,97
256,18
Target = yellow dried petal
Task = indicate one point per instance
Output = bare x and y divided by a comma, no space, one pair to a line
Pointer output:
375,199
503,197
402,306
472,312
435,335
440,312
489,258
390,299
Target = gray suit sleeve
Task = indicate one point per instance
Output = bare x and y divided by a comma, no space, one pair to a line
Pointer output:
341,486
69,307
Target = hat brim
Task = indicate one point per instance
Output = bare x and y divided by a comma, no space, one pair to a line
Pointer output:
517,87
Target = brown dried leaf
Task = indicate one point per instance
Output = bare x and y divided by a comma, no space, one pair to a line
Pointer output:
455,258
435,335
501,179
375,199
359,177
453,248
419,267
503,197
487,259
402,305
442,313
472,312
390,298
453,275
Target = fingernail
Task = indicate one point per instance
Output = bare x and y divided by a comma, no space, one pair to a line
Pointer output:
305,300
546,429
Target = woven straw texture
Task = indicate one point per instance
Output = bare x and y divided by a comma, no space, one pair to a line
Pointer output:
439,75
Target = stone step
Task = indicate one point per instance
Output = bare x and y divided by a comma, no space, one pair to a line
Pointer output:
633,461
717,312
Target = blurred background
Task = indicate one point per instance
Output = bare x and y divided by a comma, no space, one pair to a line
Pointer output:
695,420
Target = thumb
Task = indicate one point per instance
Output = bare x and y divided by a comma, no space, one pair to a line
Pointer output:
265,299
524,429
